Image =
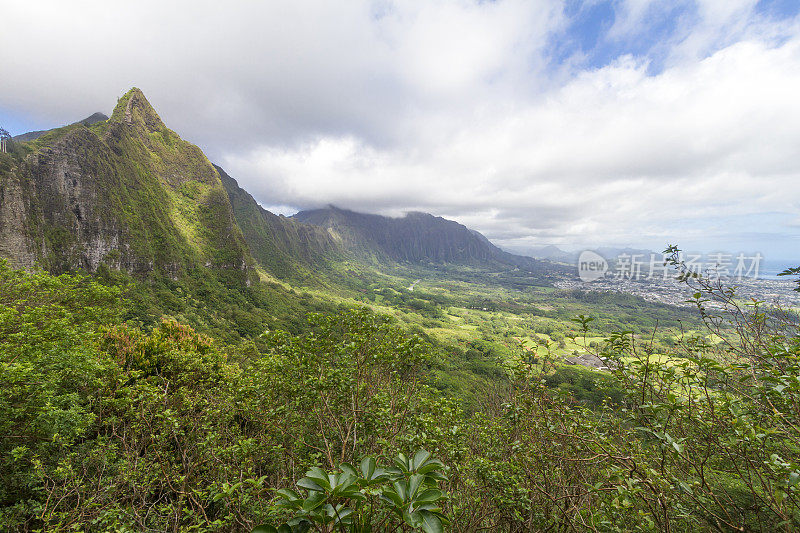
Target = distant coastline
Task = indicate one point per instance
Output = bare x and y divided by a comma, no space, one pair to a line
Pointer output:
771,268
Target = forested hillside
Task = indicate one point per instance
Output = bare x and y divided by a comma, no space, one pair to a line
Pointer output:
108,426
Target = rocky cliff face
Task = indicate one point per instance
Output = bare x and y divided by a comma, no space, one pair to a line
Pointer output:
415,237
127,192
15,244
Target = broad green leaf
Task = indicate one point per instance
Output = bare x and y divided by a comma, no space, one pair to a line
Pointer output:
414,484
314,500
368,466
349,469
433,464
289,494
430,495
437,475
419,459
430,522
392,497
401,488
309,484
432,507
320,477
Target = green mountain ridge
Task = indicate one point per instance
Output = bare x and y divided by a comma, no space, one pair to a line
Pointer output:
94,118
128,193
286,248
416,237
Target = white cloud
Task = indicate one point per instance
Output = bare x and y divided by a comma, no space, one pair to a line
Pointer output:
614,156
451,107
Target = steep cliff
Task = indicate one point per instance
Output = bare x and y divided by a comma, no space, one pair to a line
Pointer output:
126,191
284,246
416,237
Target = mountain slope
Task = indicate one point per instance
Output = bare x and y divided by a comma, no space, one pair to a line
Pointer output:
127,192
285,247
416,237
92,119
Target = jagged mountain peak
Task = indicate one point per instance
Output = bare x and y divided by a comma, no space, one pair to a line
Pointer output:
94,118
128,193
133,108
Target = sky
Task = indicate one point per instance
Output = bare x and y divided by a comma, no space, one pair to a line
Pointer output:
580,123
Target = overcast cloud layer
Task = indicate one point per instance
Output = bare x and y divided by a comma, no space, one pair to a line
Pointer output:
633,122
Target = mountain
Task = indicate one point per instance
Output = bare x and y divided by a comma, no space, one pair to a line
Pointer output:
416,237
553,253
413,238
125,191
611,253
549,252
285,247
92,119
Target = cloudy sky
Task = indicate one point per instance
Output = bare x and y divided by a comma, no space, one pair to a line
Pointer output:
578,123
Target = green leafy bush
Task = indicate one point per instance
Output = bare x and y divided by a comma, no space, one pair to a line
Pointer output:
371,498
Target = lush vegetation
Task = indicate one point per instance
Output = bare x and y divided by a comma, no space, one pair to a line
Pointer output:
111,423
135,194
226,369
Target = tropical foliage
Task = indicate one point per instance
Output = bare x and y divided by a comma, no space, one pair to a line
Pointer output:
110,424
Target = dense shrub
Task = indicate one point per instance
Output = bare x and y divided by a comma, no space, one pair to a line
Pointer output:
106,425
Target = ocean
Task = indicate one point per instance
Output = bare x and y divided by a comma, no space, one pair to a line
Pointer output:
769,269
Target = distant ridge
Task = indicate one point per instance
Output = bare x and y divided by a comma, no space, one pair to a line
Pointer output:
92,119
415,237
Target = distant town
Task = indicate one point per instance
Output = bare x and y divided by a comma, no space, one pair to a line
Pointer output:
778,292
